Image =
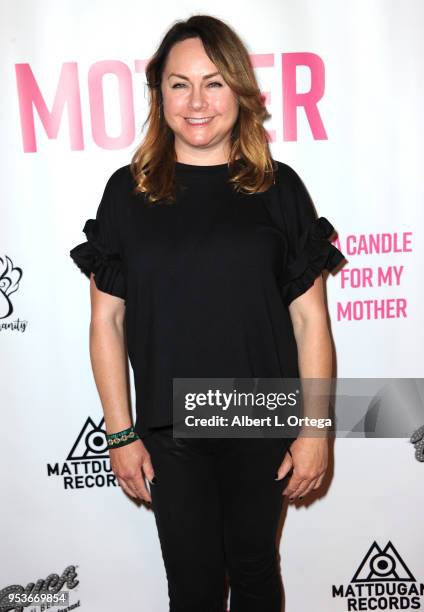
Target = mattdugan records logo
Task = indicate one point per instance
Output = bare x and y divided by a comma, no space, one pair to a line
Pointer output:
10,276
87,464
382,582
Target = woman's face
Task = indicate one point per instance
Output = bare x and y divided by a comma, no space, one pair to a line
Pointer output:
193,89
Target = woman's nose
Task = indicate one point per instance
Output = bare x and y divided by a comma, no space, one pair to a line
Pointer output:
197,99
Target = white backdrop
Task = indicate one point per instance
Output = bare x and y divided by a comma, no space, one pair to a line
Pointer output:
359,152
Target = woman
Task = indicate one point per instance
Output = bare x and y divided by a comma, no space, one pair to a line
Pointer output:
190,269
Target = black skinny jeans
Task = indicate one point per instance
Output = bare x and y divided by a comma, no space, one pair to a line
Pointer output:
217,506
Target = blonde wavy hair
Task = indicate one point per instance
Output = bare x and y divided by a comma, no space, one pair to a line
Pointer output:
153,162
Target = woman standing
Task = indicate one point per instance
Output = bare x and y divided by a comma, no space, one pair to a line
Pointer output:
192,275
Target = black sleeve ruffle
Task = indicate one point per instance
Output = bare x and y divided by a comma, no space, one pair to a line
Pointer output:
105,262
314,254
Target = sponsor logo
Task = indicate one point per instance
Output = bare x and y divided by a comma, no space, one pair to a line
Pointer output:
382,582
54,588
10,277
87,465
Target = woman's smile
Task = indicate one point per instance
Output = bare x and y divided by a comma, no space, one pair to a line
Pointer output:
198,122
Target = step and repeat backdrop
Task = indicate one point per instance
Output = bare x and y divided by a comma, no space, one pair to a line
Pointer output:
343,83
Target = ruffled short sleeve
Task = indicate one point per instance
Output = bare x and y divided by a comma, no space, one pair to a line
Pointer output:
100,253
309,250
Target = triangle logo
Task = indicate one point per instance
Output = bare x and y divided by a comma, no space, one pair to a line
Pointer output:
382,565
91,442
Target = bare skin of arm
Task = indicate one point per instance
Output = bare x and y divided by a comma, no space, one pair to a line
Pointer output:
130,463
309,454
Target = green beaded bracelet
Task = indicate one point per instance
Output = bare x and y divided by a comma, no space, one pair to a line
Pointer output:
121,438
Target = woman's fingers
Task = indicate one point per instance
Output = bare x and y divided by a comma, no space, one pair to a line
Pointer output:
299,487
131,464
128,490
304,489
148,470
285,467
309,466
319,481
294,484
137,484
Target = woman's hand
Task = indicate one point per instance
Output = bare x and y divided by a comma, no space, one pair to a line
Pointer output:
309,458
130,464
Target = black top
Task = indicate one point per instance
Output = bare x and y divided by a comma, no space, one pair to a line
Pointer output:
206,281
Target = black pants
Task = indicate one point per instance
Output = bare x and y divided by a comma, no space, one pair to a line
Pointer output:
217,507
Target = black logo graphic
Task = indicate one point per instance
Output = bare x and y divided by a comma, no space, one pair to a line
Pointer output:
384,564
382,582
87,464
91,442
9,283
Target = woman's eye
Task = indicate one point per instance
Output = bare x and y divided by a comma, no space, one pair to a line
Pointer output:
213,84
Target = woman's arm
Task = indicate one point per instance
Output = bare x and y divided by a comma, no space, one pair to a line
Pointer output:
309,317
109,363
310,452
108,358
